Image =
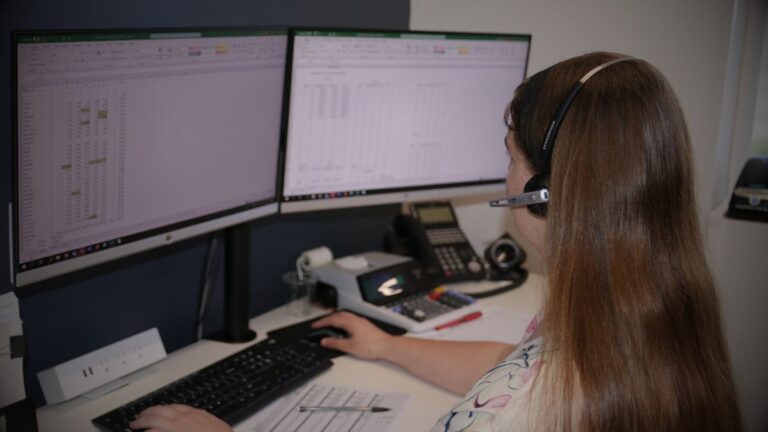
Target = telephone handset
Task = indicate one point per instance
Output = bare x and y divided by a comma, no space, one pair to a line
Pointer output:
432,235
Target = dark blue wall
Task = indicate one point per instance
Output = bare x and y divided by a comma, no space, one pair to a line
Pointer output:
77,313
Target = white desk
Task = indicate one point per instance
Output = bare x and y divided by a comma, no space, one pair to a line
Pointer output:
428,404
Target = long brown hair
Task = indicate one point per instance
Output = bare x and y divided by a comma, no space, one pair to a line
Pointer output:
632,329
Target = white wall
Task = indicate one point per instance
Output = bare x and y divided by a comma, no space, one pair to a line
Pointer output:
760,130
686,39
738,248
690,42
742,272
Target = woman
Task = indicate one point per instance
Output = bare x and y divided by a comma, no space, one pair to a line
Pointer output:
630,336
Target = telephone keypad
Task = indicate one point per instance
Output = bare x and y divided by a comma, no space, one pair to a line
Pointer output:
453,252
449,259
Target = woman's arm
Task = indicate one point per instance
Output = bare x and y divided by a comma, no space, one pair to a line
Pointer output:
453,365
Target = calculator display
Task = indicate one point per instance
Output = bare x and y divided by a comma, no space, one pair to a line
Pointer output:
382,286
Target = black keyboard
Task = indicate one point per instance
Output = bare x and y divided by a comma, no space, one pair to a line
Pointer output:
232,388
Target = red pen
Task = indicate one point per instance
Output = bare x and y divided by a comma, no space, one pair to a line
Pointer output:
465,318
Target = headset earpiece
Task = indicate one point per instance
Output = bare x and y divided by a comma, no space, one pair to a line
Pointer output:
538,182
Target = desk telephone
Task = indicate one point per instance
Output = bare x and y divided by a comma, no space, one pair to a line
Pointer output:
432,235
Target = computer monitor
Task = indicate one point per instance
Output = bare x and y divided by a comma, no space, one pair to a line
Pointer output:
130,140
385,117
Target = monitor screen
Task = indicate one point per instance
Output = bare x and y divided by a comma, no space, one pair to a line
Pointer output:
129,140
383,117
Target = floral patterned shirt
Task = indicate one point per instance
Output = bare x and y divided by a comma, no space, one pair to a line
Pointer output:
499,400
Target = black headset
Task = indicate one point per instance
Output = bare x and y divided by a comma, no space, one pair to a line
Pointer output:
536,190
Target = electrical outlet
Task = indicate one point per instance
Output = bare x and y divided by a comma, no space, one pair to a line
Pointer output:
102,366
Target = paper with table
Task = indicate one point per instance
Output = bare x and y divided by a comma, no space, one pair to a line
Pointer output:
283,414
497,323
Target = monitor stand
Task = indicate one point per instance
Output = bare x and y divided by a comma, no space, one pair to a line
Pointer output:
237,260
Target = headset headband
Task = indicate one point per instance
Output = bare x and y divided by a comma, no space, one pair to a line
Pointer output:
557,120
536,191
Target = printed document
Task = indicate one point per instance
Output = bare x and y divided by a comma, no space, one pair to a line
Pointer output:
283,414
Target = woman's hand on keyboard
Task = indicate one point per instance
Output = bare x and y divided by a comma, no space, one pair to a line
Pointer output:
178,418
364,339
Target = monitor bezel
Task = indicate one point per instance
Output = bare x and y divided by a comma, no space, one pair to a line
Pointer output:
149,239
428,192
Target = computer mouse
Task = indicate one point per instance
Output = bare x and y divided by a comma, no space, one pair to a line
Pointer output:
317,334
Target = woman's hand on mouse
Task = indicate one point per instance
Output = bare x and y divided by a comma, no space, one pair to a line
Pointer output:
365,340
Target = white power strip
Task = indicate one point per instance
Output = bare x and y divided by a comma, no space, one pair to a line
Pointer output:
92,370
